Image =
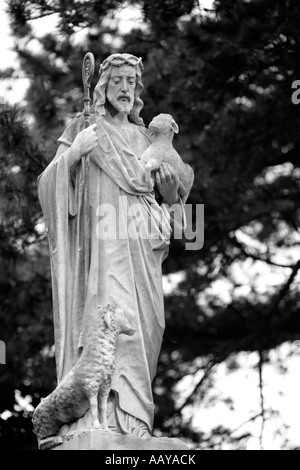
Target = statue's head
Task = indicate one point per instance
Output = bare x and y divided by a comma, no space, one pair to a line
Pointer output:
120,84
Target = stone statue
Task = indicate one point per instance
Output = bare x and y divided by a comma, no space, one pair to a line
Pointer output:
111,262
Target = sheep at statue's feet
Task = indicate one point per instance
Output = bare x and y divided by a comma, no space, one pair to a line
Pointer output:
88,383
161,150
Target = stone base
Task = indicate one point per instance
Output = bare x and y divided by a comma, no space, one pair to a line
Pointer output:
96,439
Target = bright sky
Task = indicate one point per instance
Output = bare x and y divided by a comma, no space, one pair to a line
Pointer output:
281,391
7,56
11,90
14,90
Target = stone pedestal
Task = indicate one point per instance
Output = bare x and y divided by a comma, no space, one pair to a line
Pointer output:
95,439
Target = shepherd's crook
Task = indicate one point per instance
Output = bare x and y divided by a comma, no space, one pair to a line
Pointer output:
88,68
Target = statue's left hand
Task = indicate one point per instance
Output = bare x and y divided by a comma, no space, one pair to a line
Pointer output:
167,181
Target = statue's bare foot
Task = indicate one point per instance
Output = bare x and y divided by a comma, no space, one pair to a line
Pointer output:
106,429
96,425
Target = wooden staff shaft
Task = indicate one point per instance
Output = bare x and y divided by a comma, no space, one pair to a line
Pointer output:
88,68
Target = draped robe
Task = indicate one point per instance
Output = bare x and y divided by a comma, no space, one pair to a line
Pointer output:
123,270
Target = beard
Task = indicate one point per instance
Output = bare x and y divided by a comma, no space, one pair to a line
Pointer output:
121,105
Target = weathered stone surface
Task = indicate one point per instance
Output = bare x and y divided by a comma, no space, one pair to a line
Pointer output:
97,173
96,439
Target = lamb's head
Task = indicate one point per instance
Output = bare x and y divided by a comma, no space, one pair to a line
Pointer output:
163,125
117,320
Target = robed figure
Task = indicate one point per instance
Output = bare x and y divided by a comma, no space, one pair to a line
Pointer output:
128,239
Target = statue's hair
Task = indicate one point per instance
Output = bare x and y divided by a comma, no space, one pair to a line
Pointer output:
116,60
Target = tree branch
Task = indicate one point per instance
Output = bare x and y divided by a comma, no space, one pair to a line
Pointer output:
205,376
250,420
43,15
262,399
257,257
285,288
211,364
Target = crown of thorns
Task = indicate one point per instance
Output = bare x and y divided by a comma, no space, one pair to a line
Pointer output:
121,59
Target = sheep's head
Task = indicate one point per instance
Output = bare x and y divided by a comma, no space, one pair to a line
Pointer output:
116,319
163,124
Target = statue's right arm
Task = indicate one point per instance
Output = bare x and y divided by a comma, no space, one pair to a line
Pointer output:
83,144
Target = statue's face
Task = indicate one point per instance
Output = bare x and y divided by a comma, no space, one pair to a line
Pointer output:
120,88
